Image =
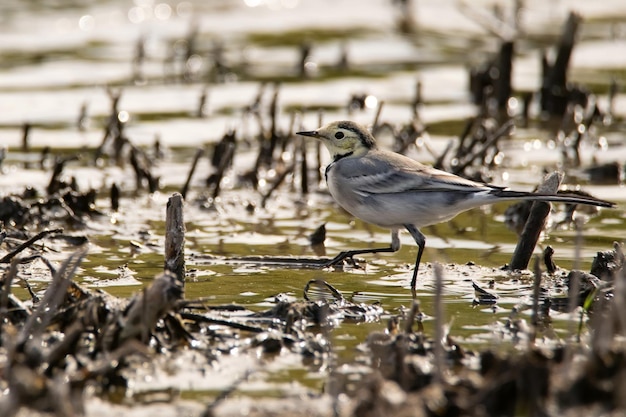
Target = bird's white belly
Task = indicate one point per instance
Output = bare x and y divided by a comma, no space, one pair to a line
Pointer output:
392,210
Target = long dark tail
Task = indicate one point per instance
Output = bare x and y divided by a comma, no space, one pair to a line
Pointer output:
561,197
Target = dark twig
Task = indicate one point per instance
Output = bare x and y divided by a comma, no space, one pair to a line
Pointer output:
199,318
379,110
417,99
227,156
6,258
55,185
201,111
26,136
279,180
194,164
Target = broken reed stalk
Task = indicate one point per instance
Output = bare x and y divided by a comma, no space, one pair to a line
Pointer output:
225,161
175,237
417,99
535,224
140,163
115,197
146,308
503,87
555,94
200,111
558,71
274,136
26,136
548,261
59,165
194,164
613,90
439,323
45,152
113,126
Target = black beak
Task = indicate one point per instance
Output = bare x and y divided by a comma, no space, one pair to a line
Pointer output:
311,133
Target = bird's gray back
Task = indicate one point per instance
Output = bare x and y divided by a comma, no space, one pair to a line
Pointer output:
391,190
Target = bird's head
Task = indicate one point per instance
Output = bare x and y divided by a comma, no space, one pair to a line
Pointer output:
343,138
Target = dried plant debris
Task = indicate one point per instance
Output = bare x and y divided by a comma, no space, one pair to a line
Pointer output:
52,349
59,350
69,207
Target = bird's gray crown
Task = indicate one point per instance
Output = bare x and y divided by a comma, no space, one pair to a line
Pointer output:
364,136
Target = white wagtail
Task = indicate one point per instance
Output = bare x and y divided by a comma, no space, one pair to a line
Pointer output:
394,191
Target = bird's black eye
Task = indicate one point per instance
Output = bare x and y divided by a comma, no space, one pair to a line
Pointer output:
339,135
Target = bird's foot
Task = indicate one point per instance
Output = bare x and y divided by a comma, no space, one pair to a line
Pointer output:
340,258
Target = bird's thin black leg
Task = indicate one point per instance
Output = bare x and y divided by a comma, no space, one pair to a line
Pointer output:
395,245
420,239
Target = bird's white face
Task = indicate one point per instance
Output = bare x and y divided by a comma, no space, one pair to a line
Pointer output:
343,138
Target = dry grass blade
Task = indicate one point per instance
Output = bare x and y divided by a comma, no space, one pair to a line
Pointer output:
38,321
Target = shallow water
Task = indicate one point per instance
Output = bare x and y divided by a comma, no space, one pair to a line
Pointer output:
58,57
